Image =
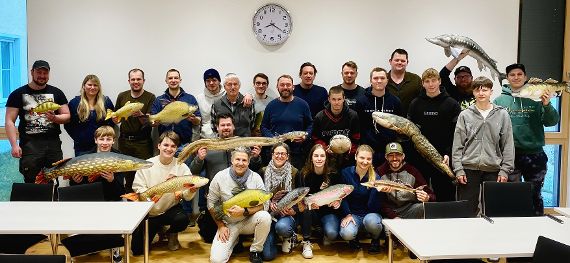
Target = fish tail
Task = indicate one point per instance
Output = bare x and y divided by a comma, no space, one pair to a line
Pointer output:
41,177
109,114
131,196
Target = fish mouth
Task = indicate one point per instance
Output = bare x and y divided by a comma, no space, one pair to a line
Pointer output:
437,41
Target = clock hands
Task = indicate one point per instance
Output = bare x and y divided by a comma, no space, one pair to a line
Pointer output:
273,25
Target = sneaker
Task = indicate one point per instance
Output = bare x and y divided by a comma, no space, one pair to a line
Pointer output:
255,257
289,243
374,247
326,241
173,243
116,254
354,245
307,249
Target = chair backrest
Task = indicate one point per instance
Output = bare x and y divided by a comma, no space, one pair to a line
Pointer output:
32,192
6,258
83,192
451,209
550,251
507,199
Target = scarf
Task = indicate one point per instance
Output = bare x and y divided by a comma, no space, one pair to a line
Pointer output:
275,176
240,180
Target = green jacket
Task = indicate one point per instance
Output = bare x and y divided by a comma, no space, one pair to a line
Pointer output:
528,118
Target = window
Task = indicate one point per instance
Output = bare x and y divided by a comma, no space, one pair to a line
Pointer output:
10,173
551,188
556,103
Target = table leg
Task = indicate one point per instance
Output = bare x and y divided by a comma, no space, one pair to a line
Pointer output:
127,238
54,243
146,241
390,247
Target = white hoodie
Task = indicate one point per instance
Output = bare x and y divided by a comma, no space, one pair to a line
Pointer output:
205,101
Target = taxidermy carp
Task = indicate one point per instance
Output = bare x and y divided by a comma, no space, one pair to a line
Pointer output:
408,128
124,112
46,106
173,113
328,195
246,198
176,183
92,165
451,42
290,199
233,142
535,87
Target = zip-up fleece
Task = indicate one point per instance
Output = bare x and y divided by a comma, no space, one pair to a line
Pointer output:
528,118
484,144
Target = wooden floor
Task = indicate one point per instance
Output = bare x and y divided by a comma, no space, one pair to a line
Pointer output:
194,250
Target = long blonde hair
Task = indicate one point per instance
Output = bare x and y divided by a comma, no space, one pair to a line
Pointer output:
83,109
371,172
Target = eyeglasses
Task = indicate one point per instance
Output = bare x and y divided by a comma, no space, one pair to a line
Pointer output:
259,83
280,154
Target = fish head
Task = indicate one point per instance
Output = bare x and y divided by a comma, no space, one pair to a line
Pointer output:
133,164
347,189
197,181
442,41
265,195
293,135
386,120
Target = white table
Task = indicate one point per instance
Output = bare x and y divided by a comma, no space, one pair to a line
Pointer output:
456,238
565,211
52,218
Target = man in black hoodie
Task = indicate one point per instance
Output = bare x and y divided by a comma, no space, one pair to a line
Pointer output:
335,119
435,113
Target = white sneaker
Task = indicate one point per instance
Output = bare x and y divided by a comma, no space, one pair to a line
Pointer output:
307,249
289,243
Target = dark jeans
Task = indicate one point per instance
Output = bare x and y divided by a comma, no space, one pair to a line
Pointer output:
38,153
330,224
471,190
173,217
285,228
140,149
532,168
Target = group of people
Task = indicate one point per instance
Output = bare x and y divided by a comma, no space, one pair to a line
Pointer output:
481,140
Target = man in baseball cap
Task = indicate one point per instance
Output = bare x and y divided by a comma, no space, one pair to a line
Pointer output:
461,91
40,64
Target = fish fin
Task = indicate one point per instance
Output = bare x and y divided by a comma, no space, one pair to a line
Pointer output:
480,65
551,81
41,177
131,196
156,198
274,219
447,51
253,203
534,80
60,162
109,114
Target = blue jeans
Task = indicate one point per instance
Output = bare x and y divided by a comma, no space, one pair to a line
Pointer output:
372,223
329,222
285,228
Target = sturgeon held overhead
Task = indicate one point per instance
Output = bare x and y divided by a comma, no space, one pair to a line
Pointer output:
451,42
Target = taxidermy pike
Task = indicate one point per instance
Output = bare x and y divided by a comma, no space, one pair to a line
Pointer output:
233,142
92,165
452,43
535,87
173,113
46,106
176,183
246,198
395,185
290,199
408,128
124,112
328,195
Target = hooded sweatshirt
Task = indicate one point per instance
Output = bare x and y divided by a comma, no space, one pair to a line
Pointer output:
484,144
326,125
372,134
205,101
528,118
436,118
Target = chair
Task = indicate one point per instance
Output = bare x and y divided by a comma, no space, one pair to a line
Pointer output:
507,199
82,244
19,243
5,258
550,251
452,209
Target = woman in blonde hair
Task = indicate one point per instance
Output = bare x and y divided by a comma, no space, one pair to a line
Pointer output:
361,209
87,114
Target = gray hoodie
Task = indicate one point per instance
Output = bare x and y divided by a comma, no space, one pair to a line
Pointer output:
483,144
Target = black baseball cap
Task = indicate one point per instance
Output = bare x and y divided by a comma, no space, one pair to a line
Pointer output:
515,66
462,69
40,64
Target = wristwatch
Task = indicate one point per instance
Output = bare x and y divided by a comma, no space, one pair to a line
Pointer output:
245,212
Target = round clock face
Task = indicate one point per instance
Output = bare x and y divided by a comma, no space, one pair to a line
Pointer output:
272,24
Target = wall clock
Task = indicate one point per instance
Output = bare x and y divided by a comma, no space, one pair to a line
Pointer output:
272,24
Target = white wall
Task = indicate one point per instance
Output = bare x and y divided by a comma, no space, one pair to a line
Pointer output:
109,37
